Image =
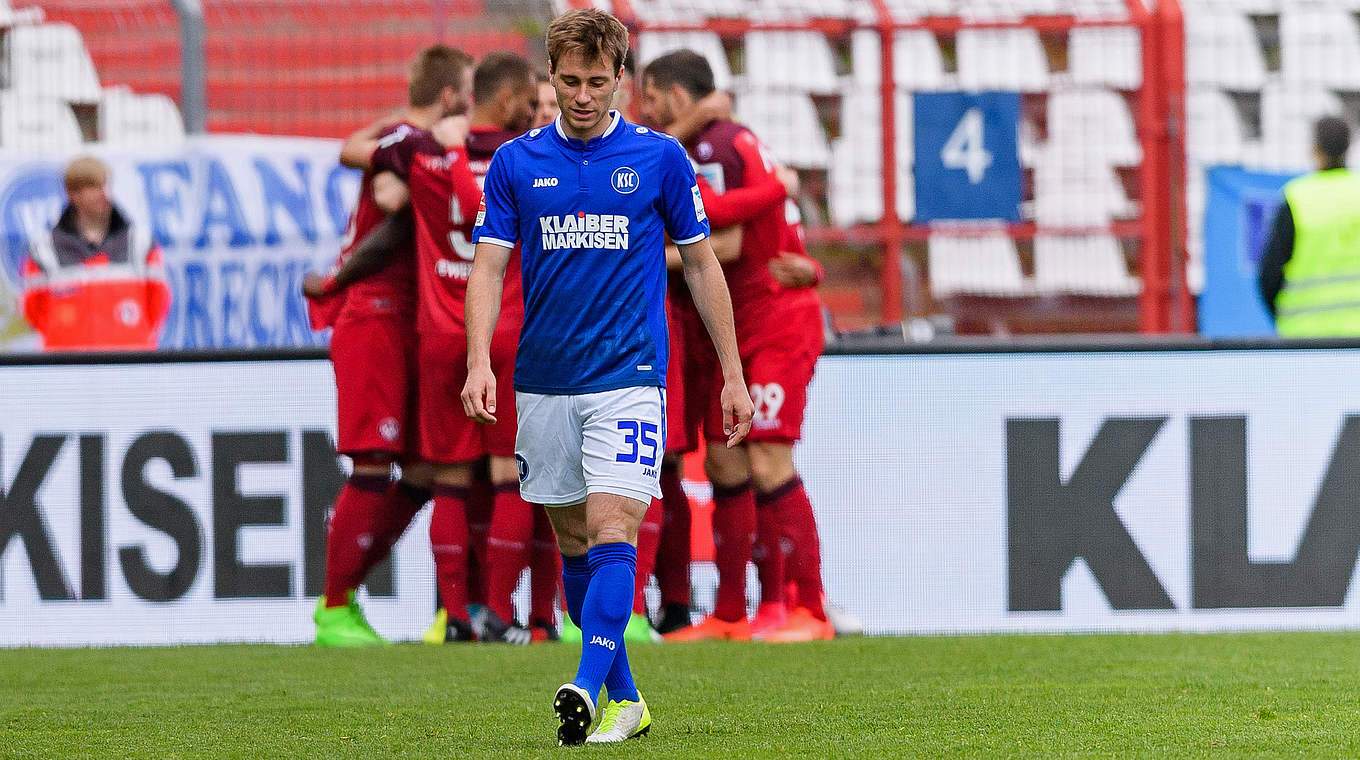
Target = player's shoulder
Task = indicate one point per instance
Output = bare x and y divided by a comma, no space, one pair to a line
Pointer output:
649,140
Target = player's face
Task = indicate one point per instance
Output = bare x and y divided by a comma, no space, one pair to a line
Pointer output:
585,90
547,105
654,106
92,202
520,106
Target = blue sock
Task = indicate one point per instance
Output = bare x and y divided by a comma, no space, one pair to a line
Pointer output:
575,581
619,680
604,615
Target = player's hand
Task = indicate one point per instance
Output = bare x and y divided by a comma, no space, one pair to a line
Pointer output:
451,131
789,179
793,270
715,106
737,411
479,395
314,286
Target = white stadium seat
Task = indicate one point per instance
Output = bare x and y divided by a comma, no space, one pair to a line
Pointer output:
32,123
1320,46
652,45
790,60
787,122
1110,56
855,172
1215,127
917,62
1288,111
791,10
1081,265
1070,190
1222,50
982,264
1096,121
51,59
1001,59
914,10
136,121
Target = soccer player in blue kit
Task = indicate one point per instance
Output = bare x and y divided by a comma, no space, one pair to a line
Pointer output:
592,199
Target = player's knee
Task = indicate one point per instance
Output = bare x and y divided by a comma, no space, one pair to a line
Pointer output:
371,463
613,534
418,473
726,467
457,475
771,465
504,470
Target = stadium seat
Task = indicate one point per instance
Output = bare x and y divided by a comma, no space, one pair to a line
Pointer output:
1320,46
1071,190
33,123
1007,10
1090,265
799,61
1097,121
1001,59
915,10
51,59
917,63
795,10
1222,50
652,45
788,124
855,170
1288,111
1215,127
1098,10
139,121
975,264
1110,56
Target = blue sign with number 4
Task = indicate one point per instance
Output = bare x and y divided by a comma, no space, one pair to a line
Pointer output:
967,163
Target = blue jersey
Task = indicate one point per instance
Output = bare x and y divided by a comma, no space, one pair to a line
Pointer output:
592,218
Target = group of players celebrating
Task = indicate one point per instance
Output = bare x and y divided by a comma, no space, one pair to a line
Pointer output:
395,303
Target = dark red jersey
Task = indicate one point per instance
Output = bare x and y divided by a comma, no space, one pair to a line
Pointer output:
444,199
482,143
391,289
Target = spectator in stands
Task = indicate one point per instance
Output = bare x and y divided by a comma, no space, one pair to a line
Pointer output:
1310,272
96,280
547,110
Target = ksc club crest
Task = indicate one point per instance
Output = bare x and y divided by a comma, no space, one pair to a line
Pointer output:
30,203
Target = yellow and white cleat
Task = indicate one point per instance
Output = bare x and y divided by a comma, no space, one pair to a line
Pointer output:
575,711
623,721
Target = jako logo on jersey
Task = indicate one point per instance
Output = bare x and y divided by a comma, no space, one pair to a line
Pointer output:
545,182
602,641
582,230
625,180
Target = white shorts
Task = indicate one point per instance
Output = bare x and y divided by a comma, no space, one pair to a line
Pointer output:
608,442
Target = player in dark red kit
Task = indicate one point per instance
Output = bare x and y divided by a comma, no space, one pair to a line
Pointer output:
755,486
371,304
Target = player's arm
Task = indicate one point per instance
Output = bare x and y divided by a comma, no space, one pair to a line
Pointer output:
795,270
369,256
742,204
726,244
704,276
712,107
357,150
483,308
390,192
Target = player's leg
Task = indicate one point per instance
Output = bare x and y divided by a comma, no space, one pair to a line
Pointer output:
793,525
545,582
449,541
507,553
621,457
639,629
349,536
673,549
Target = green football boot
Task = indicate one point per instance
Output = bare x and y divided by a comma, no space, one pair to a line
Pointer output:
640,631
570,633
622,721
344,626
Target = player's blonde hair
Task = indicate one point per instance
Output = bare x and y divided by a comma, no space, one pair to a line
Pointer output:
85,171
594,34
433,69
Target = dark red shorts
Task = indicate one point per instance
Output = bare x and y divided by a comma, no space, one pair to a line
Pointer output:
447,434
374,360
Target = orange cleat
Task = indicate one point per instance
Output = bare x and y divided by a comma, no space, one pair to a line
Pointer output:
770,617
713,629
802,626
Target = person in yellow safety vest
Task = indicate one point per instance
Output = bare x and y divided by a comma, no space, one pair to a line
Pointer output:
96,281
1310,271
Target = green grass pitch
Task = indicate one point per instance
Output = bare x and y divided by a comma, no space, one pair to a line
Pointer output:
1155,696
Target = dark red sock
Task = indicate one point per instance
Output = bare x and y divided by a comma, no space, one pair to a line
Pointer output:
481,501
350,535
649,536
545,570
449,543
403,503
734,528
768,553
507,549
791,503
672,552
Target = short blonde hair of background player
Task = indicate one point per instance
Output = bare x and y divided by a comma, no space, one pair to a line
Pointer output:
433,69
85,171
593,33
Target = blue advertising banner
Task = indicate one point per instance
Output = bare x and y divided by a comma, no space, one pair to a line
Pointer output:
1237,217
967,160
240,220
